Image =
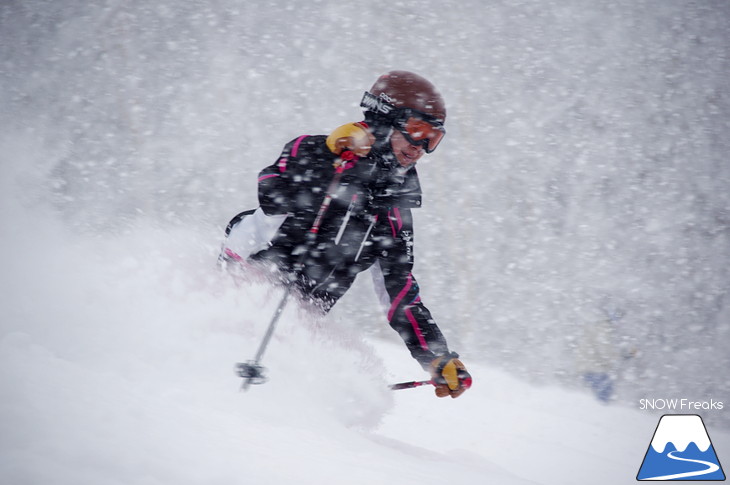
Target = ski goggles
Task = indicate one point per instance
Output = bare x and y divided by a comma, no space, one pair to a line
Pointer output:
419,129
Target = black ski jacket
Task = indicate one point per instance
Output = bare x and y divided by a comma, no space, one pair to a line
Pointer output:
367,224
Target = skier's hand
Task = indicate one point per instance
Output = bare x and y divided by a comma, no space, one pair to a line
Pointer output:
450,376
354,137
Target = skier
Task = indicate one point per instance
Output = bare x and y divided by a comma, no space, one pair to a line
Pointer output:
601,354
334,206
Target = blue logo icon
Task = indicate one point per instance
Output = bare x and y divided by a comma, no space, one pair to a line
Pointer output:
681,450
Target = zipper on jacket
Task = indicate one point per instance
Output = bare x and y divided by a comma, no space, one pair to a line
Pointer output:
367,235
345,219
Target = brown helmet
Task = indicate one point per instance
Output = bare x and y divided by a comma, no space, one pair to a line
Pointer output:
404,89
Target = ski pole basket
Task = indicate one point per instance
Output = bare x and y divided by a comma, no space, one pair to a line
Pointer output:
252,372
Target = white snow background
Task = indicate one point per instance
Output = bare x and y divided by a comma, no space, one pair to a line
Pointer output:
585,167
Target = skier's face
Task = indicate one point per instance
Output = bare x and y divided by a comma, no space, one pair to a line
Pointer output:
406,154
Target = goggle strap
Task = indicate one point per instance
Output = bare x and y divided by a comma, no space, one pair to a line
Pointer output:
377,104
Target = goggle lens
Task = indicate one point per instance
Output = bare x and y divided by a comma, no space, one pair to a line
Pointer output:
421,132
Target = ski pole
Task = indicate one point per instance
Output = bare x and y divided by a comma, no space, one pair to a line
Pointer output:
410,385
252,372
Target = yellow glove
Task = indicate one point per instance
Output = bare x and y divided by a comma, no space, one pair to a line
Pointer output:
355,137
450,376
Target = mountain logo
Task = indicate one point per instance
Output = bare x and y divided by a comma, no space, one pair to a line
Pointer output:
681,450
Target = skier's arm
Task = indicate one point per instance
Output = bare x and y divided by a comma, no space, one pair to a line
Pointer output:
275,182
406,312
278,183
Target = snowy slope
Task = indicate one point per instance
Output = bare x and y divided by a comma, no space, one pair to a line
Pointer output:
116,363
586,156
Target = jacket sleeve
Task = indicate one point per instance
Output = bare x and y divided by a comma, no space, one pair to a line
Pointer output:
399,291
277,182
